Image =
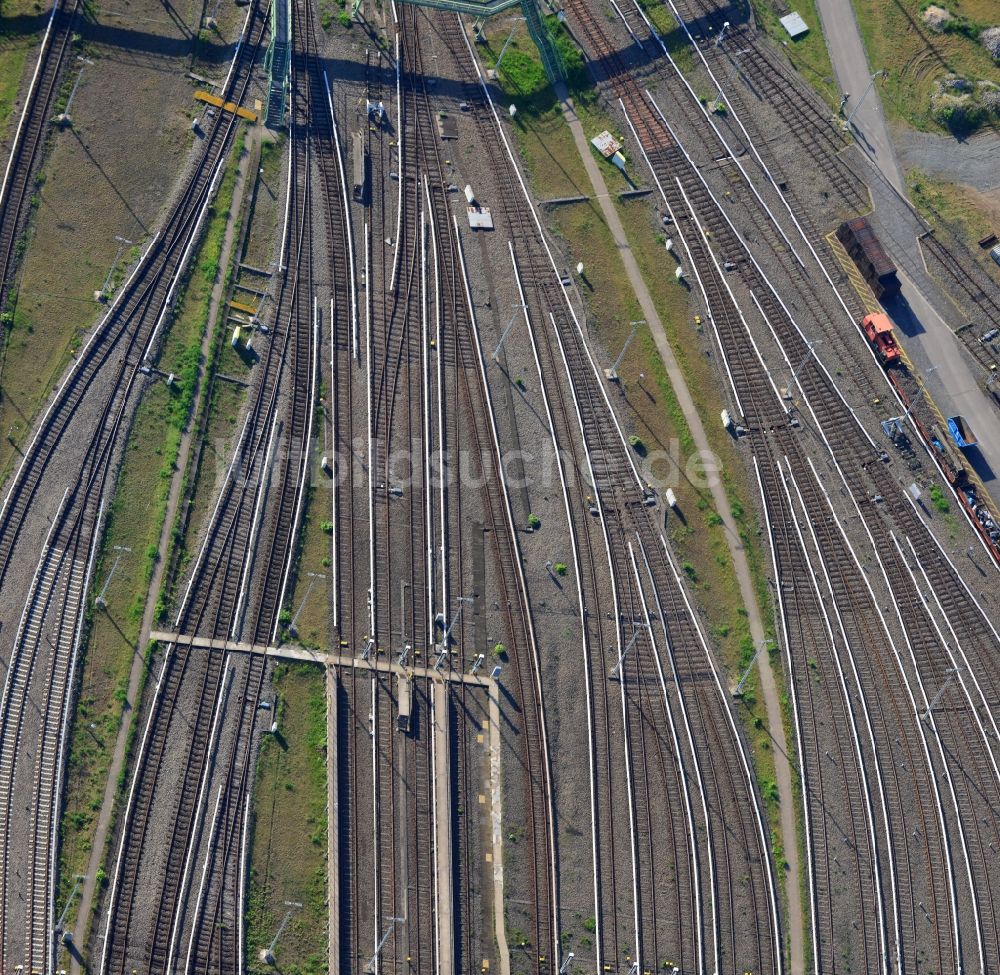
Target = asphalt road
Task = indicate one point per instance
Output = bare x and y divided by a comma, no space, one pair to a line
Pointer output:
929,339
850,64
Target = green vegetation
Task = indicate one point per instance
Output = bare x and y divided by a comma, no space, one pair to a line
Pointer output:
808,54
920,60
15,54
521,74
960,210
699,536
670,33
560,568
938,498
311,592
221,410
328,9
134,520
534,522
289,843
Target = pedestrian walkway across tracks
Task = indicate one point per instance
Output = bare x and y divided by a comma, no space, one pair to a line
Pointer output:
295,651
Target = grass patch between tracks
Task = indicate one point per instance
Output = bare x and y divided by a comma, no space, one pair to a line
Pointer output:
546,143
311,596
13,57
961,210
289,842
222,422
135,521
809,54
656,418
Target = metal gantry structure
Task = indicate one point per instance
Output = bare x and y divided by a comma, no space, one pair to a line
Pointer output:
278,62
484,9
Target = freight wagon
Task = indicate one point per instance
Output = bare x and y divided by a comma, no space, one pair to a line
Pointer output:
962,432
864,249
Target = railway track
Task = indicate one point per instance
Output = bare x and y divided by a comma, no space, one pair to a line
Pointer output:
354,541
44,653
255,522
29,138
622,508
977,294
404,905
840,426
888,719
833,771
127,337
539,287
843,437
747,934
840,432
50,664
468,424
769,79
215,939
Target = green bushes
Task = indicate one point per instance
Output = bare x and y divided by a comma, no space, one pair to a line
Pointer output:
939,500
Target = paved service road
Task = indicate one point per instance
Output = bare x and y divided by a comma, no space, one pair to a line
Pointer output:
850,64
955,383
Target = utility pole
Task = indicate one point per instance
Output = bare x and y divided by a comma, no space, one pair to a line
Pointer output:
952,673
510,37
564,968
461,600
811,343
871,83
65,118
267,955
734,66
616,670
68,935
122,244
517,306
738,690
393,921
612,373
313,576
107,582
722,34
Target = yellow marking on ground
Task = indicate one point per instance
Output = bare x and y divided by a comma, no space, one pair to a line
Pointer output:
210,99
243,306
872,306
856,278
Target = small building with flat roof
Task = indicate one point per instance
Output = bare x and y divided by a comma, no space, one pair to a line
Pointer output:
795,25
